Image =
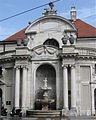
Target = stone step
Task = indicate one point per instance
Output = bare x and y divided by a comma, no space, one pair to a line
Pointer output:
42,113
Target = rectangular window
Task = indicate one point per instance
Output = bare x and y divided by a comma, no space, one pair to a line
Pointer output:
8,102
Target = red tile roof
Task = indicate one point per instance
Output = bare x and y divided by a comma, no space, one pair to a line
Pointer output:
83,29
18,35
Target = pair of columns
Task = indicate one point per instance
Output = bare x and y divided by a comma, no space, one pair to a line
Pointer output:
73,87
17,87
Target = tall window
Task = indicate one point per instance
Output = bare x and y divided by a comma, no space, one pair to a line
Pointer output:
52,42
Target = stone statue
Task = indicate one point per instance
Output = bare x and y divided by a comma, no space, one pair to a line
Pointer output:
51,10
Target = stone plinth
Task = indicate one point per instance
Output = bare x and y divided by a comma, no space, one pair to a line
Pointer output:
68,49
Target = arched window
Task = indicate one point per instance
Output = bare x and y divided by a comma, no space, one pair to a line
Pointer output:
52,42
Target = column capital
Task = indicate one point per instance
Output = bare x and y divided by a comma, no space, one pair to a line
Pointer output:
24,66
72,65
17,67
64,65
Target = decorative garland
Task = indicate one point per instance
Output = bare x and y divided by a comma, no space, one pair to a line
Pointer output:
45,49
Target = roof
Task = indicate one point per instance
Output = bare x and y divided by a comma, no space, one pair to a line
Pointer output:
18,35
84,30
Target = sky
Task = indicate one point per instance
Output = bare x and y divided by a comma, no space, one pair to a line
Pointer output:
86,11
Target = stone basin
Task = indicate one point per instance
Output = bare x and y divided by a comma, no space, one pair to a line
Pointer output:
46,88
44,113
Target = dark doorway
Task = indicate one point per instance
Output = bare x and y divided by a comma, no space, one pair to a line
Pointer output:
46,71
95,99
69,87
0,100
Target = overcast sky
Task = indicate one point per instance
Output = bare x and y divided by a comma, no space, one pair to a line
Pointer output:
86,11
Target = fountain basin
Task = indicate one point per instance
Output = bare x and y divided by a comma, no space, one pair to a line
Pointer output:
44,113
46,88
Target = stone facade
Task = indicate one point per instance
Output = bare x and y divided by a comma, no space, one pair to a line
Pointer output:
70,67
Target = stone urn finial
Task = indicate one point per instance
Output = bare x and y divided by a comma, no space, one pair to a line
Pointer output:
64,39
71,39
25,41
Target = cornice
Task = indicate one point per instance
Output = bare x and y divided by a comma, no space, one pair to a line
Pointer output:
76,56
7,59
86,57
67,55
21,56
14,57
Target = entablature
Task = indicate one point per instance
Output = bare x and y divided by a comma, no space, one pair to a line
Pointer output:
77,53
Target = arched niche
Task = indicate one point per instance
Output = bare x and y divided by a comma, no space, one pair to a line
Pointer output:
42,72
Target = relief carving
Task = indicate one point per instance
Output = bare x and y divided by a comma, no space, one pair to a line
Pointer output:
45,49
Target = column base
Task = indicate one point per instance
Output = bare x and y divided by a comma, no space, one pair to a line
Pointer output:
73,112
65,112
24,111
17,107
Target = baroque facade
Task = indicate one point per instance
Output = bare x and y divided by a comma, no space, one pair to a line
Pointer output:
52,47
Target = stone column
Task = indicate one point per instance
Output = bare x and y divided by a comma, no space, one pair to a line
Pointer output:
17,87
4,79
73,88
65,87
24,86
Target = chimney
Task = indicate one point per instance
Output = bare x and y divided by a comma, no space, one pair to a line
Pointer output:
73,13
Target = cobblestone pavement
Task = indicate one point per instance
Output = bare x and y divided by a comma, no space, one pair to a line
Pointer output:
71,118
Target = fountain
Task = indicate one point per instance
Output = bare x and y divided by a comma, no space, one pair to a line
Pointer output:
45,102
